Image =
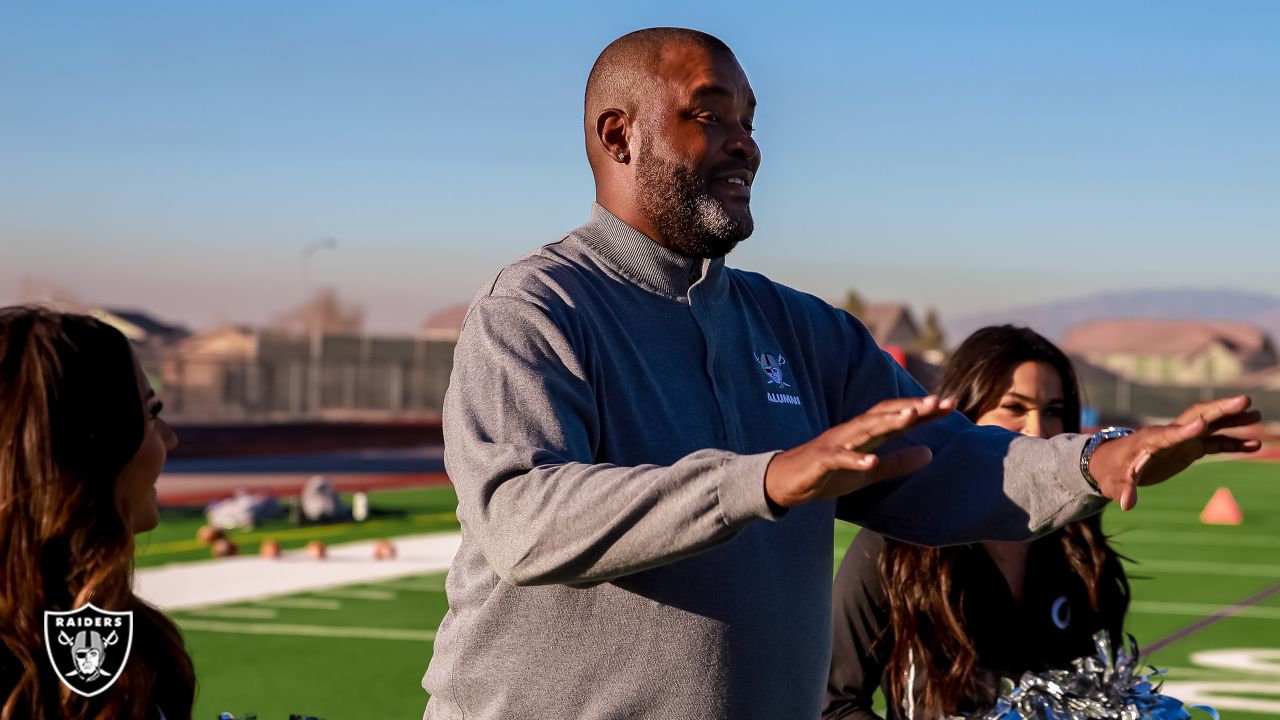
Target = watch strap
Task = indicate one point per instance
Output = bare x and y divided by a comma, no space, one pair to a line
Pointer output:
1105,434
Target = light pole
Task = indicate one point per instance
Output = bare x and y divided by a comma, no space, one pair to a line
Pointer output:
313,379
311,248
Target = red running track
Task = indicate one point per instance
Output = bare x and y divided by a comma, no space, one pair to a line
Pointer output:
204,488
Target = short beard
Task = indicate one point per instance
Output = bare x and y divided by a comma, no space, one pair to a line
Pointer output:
680,208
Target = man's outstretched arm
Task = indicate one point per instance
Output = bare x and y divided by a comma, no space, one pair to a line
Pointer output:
521,428
988,483
966,483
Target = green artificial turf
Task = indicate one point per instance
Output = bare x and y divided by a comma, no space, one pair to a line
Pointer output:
275,660
282,664
1184,571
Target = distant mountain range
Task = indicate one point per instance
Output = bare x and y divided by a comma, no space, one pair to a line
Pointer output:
1053,319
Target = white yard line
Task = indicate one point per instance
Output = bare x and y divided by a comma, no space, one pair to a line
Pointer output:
326,631
238,579
357,594
247,613
302,603
1190,567
410,586
1153,607
1250,695
1196,539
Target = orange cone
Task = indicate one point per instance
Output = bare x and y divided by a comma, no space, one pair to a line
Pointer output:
270,549
384,550
1222,509
223,547
208,533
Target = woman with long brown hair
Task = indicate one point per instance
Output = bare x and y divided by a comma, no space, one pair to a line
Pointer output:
936,628
81,447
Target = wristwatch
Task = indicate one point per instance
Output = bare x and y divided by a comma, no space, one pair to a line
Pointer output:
1103,435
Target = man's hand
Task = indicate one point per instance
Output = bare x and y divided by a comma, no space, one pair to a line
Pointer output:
1155,454
840,460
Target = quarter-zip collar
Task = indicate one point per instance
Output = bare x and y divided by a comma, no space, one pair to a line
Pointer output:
650,265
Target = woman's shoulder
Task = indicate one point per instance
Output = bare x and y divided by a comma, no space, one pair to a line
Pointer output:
860,566
867,545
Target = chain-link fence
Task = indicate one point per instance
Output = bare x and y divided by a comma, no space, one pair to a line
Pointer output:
1116,397
283,378
286,378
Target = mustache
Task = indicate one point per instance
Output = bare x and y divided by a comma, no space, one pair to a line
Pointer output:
728,168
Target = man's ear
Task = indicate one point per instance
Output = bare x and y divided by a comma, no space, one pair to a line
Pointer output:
613,130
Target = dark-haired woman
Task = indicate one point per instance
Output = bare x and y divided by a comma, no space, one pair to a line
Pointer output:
81,447
936,628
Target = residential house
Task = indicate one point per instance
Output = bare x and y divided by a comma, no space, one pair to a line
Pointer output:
141,328
1173,352
890,324
209,373
444,325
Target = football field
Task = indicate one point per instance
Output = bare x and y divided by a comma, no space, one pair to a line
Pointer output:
1207,598
392,513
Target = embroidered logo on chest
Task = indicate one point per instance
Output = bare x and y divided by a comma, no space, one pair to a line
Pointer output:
775,378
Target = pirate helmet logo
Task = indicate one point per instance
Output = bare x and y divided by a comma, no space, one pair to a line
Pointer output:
772,367
88,646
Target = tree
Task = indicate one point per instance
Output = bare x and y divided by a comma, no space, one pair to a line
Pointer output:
324,312
853,303
42,291
931,336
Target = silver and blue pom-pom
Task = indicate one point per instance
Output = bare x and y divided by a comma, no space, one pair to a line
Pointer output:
1101,687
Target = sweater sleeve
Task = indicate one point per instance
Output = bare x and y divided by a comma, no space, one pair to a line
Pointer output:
521,426
861,639
984,483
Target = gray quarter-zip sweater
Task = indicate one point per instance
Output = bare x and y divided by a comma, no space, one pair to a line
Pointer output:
611,413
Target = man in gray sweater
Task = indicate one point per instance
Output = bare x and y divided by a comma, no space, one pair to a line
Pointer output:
648,446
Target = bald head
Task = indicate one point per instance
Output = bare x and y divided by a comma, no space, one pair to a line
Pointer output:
625,71
668,124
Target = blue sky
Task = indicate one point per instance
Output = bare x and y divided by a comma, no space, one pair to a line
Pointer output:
969,156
